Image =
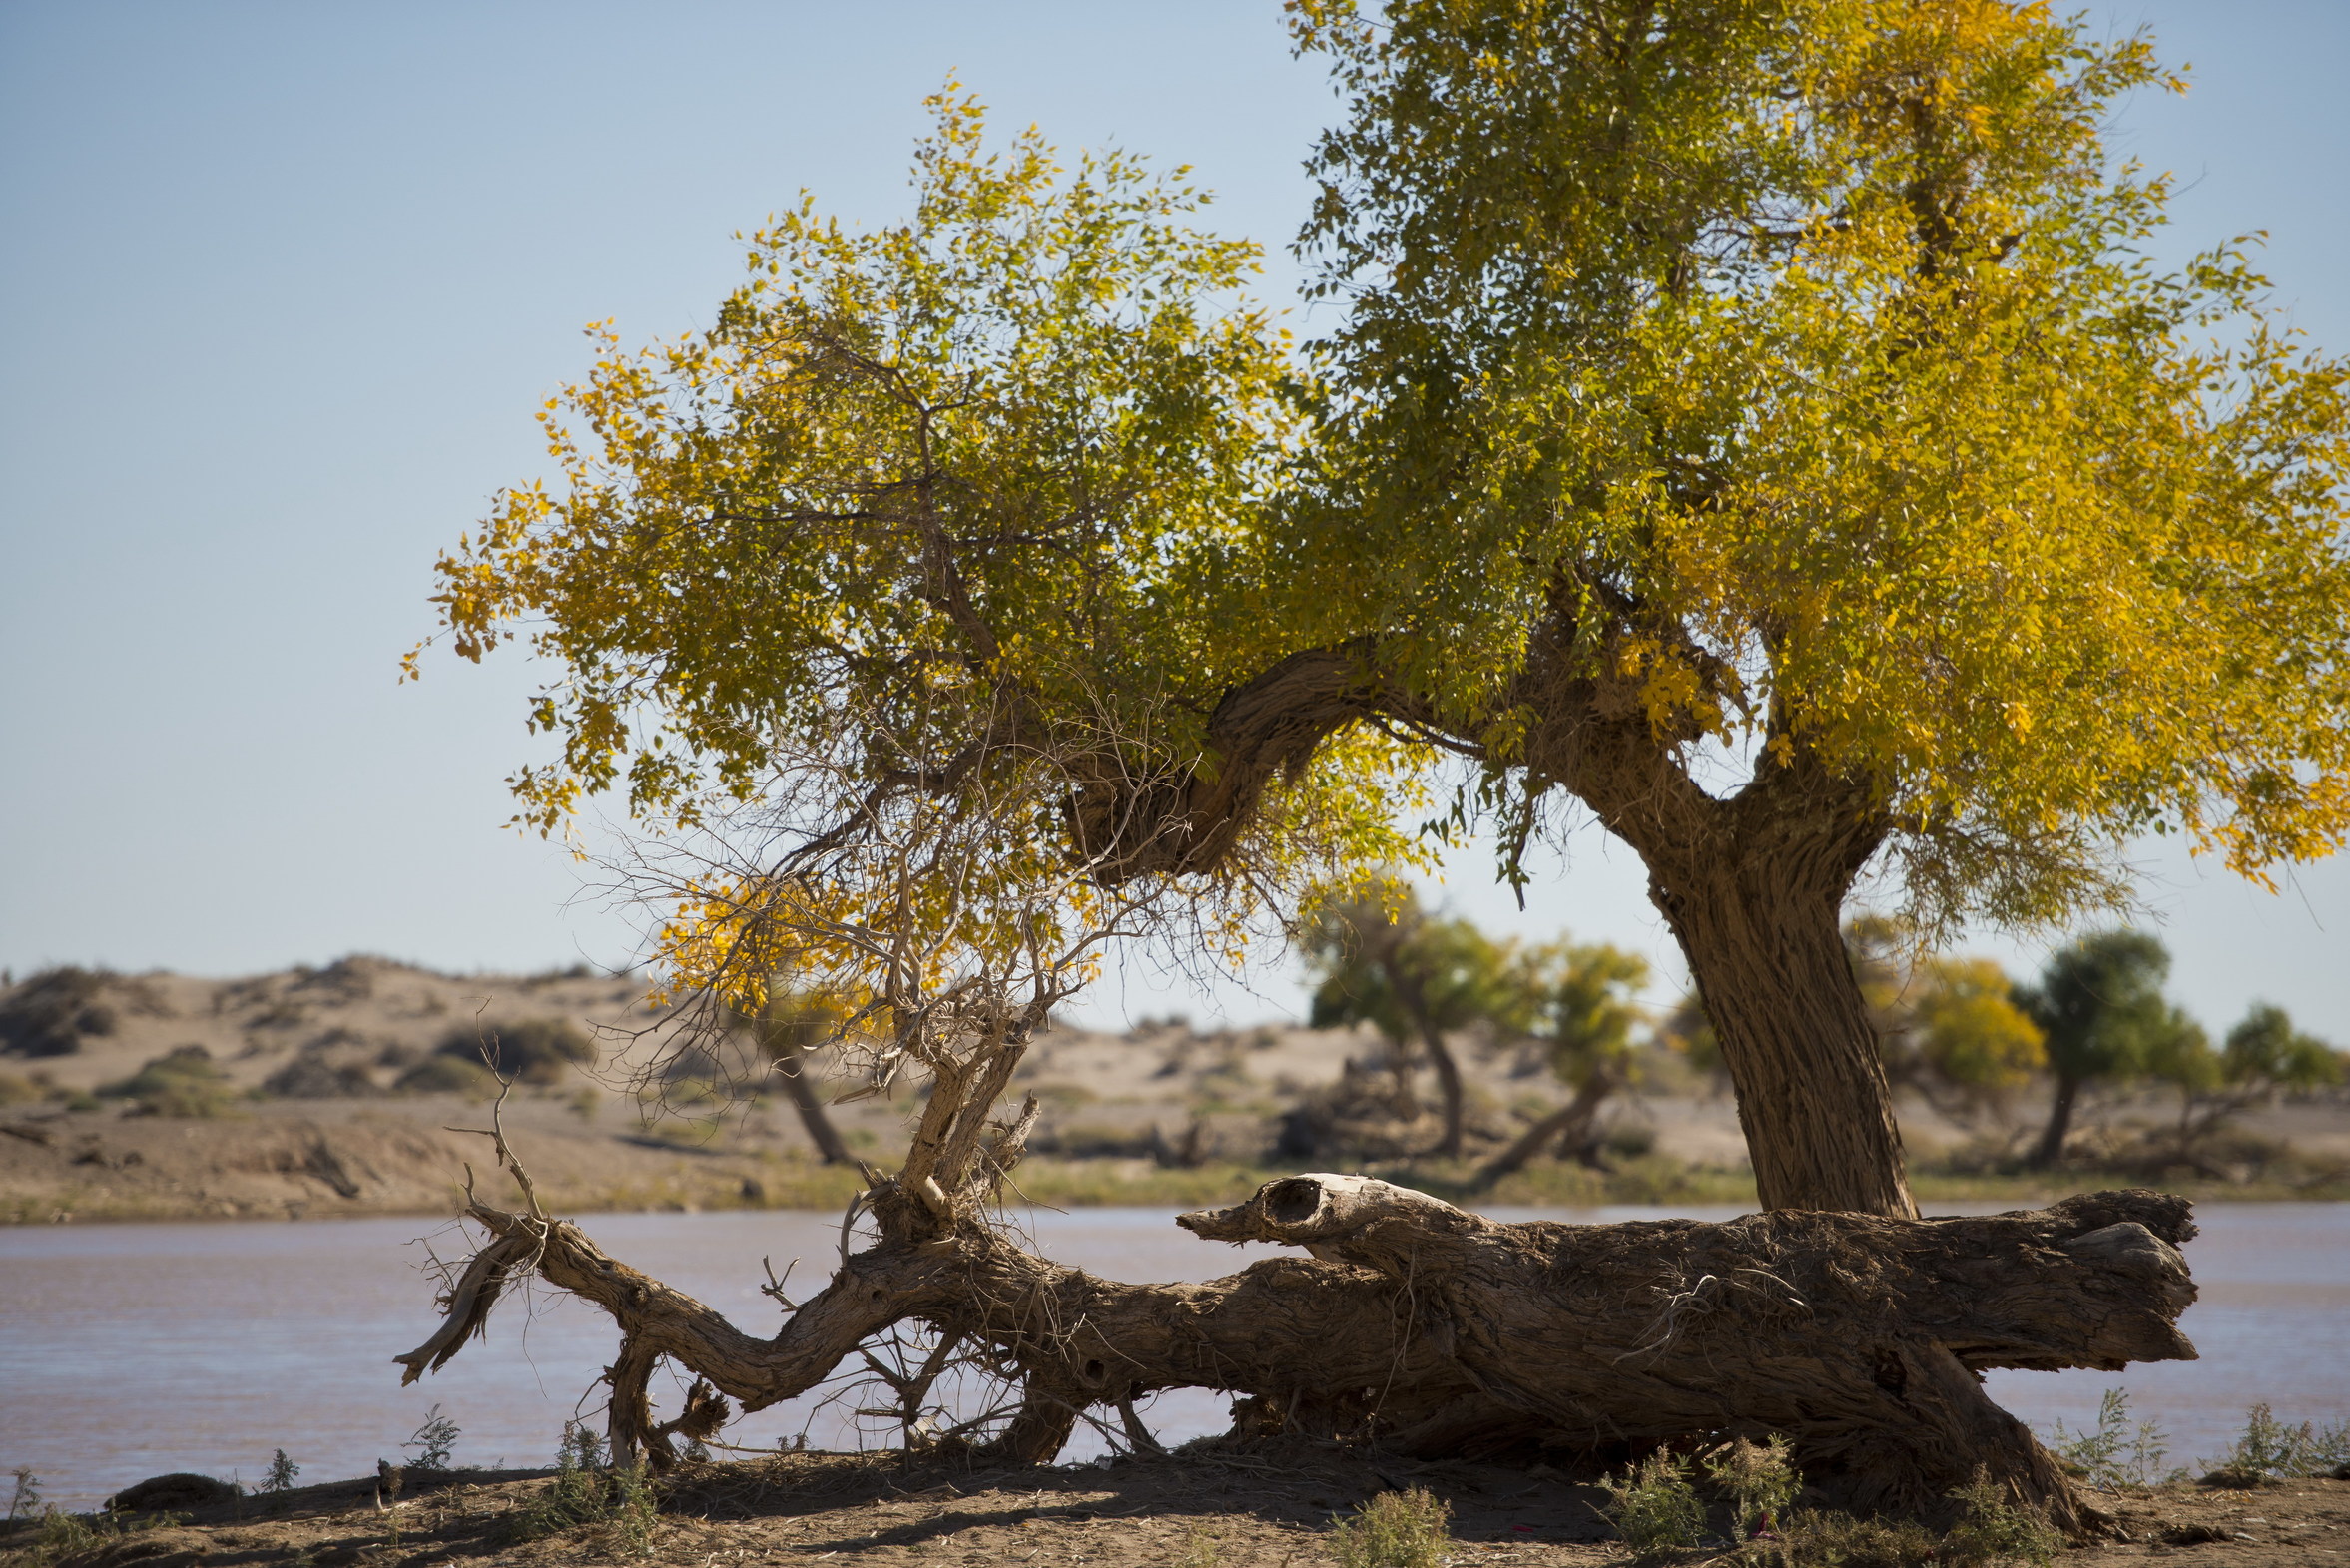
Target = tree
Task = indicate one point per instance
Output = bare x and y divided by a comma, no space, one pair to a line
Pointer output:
1971,1033
1947,1028
2098,1004
942,612
1585,1016
2262,1056
1755,422
1759,424
1384,961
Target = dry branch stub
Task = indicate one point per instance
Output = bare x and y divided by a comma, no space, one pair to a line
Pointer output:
1429,1331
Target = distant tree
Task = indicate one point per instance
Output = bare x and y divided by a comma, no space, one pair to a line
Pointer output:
2262,1056
1416,978
789,1026
2099,1003
1585,1014
1947,1028
1972,1036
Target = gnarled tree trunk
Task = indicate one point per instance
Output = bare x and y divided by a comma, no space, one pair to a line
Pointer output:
1428,1330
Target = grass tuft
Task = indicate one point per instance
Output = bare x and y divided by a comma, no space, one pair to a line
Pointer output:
1395,1531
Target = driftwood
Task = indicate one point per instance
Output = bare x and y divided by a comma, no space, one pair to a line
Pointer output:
1429,1331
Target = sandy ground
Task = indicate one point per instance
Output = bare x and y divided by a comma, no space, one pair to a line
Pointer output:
1272,1507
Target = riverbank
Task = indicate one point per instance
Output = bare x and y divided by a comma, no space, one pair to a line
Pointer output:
1202,1509
344,1159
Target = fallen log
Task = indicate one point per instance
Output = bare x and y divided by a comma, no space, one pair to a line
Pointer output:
1426,1329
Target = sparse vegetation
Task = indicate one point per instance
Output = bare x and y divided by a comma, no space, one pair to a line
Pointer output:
281,1472
1994,1530
1409,1529
52,1012
1759,1481
533,1050
2269,1451
2117,1455
184,1081
1653,1506
24,1498
585,1492
433,1441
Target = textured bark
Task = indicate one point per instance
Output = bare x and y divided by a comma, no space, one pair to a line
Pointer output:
1752,883
1429,1329
1764,945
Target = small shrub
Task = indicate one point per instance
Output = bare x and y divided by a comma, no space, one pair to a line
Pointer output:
281,1473
1992,1530
16,1090
54,1011
434,1442
584,1493
184,1081
1654,1508
533,1050
2117,1455
1395,1531
1759,1479
311,1076
25,1501
2269,1451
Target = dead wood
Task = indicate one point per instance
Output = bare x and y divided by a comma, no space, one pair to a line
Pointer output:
1428,1330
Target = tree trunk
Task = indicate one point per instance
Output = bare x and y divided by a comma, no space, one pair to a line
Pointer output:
792,1068
1570,1120
1449,1083
2051,1138
1432,1330
1762,938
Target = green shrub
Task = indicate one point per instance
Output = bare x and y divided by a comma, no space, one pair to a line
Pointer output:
184,1081
1395,1531
1992,1530
433,1441
447,1075
533,1050
1654,1508
1759,1479
2269,1451
2117,1455
584,1493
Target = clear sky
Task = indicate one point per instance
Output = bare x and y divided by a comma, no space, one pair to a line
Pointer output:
281,285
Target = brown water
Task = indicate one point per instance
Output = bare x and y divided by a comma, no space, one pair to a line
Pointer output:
129,1351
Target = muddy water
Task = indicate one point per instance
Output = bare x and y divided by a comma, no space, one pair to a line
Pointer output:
131,1350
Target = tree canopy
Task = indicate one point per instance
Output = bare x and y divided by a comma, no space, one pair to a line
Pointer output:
1762,423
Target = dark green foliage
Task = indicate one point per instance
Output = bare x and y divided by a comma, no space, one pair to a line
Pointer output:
51,1013
184,1081
532,1050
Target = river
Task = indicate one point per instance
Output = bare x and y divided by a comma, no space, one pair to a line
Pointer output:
129,1351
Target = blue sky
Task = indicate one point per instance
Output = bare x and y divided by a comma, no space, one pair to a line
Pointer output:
281,285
